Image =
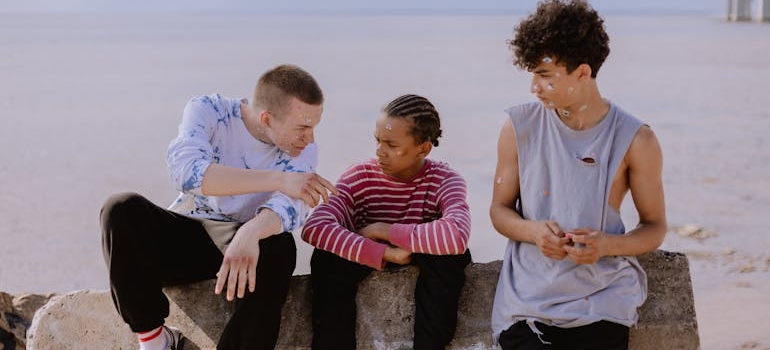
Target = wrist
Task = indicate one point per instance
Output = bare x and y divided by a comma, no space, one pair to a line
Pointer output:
276,180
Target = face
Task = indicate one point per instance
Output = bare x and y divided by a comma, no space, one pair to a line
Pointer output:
553,86
293,130
398,154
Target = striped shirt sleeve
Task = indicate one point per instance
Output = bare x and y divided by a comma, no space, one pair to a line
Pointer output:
447,235
329,228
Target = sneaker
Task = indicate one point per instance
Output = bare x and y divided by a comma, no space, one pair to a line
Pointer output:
177,339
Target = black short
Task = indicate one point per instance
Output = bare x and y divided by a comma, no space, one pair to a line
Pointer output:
602,335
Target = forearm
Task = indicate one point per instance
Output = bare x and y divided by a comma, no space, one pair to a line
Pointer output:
511,225
644,238
221,180
267,223
446,236
328,235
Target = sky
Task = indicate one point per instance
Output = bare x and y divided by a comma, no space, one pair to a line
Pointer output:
352,6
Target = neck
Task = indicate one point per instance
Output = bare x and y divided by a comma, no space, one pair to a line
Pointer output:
253,126
586,113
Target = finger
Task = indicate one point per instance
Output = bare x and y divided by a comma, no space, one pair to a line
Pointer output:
307,198
324,193
232,280
579,238
317,189
221,276
581,241
252,275
555,229
311,193
328,185
242,280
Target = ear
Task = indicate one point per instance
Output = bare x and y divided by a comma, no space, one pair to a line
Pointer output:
424,149
264,118
584,71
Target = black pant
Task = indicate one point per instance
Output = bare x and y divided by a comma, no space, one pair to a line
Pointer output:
335,284
147,248
603,335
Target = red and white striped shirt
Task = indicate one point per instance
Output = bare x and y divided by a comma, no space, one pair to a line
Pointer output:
429,215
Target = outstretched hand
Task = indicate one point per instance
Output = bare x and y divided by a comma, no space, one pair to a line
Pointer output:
239,266
309,187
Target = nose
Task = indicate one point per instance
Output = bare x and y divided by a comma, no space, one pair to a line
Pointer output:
378,151
535,87
308,136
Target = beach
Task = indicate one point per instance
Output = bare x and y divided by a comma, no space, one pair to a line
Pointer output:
90,102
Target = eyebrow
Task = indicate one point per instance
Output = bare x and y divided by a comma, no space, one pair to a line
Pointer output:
383,139
541,71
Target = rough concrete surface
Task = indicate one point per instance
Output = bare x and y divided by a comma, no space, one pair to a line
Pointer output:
385,313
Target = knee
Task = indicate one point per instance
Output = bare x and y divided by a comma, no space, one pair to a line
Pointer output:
442,263
121,202
279,252
119,208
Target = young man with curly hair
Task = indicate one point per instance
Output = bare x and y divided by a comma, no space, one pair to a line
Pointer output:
397,208
570,279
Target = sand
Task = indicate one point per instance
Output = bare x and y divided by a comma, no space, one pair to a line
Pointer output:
89,104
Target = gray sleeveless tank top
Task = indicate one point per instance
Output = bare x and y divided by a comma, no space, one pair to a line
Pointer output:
565,176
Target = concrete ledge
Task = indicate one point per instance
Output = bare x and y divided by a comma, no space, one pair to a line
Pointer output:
386,308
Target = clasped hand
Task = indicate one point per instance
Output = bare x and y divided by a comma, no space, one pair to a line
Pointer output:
380,231
583,245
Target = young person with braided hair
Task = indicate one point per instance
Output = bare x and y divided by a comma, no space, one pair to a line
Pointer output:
570,278
396,209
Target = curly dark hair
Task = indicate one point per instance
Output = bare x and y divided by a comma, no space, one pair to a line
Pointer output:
570,31
426,125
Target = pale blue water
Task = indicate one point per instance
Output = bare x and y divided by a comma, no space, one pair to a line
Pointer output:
401,7
89,103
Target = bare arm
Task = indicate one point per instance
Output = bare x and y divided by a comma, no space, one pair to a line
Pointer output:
545,234
221,180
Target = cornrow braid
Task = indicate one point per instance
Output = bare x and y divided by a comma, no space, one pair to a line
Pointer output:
423,115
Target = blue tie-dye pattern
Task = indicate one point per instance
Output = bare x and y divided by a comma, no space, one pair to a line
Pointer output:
195,179
217,156
207,135
207,100
236,112
292,215
284,162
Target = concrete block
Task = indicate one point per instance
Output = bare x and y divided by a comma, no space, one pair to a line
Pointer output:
385,313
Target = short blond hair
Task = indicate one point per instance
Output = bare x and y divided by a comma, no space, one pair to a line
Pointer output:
276,87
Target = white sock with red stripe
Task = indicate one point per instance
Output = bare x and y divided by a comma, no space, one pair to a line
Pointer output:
156,339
